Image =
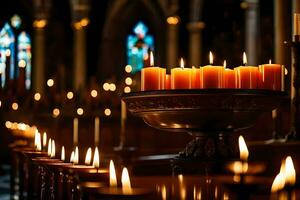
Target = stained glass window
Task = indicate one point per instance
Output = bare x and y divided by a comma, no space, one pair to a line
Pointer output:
138,45
24,56
7,47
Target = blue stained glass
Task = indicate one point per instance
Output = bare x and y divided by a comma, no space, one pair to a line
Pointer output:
7,49
138,45
24,55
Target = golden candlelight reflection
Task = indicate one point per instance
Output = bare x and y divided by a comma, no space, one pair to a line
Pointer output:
112,175
244,58
52,149
151,59
181,63
211,58
62,156
244,153
125,180
164,192
96,160
49,147
76,156
44,139
290,172
72,157
88,156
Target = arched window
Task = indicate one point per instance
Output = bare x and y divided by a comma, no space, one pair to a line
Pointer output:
138,45
7,51
9,43
24,56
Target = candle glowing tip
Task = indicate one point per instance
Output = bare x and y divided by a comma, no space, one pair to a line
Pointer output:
76,156
244,153
181,63
244,58
270,61
211,58
44,139
225,64
126,185
53,149
151,59
63,155
49,147
290,172
112,175
96,160
88,156
72,157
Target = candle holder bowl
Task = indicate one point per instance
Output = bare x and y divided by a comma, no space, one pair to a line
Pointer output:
210,115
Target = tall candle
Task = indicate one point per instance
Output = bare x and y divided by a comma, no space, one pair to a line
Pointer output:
196,73
270,76
97,130
181,78
211,76
228,77
123,123
21,78
151,76
75,131
246,76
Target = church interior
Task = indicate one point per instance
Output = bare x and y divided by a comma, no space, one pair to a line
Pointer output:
150,99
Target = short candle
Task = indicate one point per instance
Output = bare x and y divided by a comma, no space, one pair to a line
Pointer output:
270,76
181,78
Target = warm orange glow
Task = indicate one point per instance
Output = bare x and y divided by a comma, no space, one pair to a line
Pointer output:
181,63
96,160
279,181
244,153
70,95
112,87
270,61
107,112
72,157
164,192
94,93
22,63
128,68
76,156
49,147
244,58
127,89
151,59
128,81
50,82
125,180
14,106
225,64
112,175
211,58
44,139
172,20
63,154
41,23
37,96
290,172
239,167
56,112
38,141
106,86
80,111
88,156
53,149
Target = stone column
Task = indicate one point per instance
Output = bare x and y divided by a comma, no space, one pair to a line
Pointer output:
41,13
195,42
80,20
252,31
172,42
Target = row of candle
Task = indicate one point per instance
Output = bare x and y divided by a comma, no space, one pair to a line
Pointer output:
266,76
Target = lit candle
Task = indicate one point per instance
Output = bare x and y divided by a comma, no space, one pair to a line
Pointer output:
72,157
88,156
125,180
76,156
62,156
196,73
211,76
52,149
181,78
112,175
49,147
75,131
151,77
44,139
246,76
97,130
270,76
228,77
96,160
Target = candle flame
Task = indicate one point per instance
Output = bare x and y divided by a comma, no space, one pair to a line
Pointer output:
225,64
72,157
35,138
88,156
112,175
49,147
44,139
270,61
290,172
96,160
244,153
279,181
211,58
38,142
53,149
126,185
151,59
244,58
76,156
63,156
181,63
239,167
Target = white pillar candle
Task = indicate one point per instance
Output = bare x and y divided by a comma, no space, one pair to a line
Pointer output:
97,131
